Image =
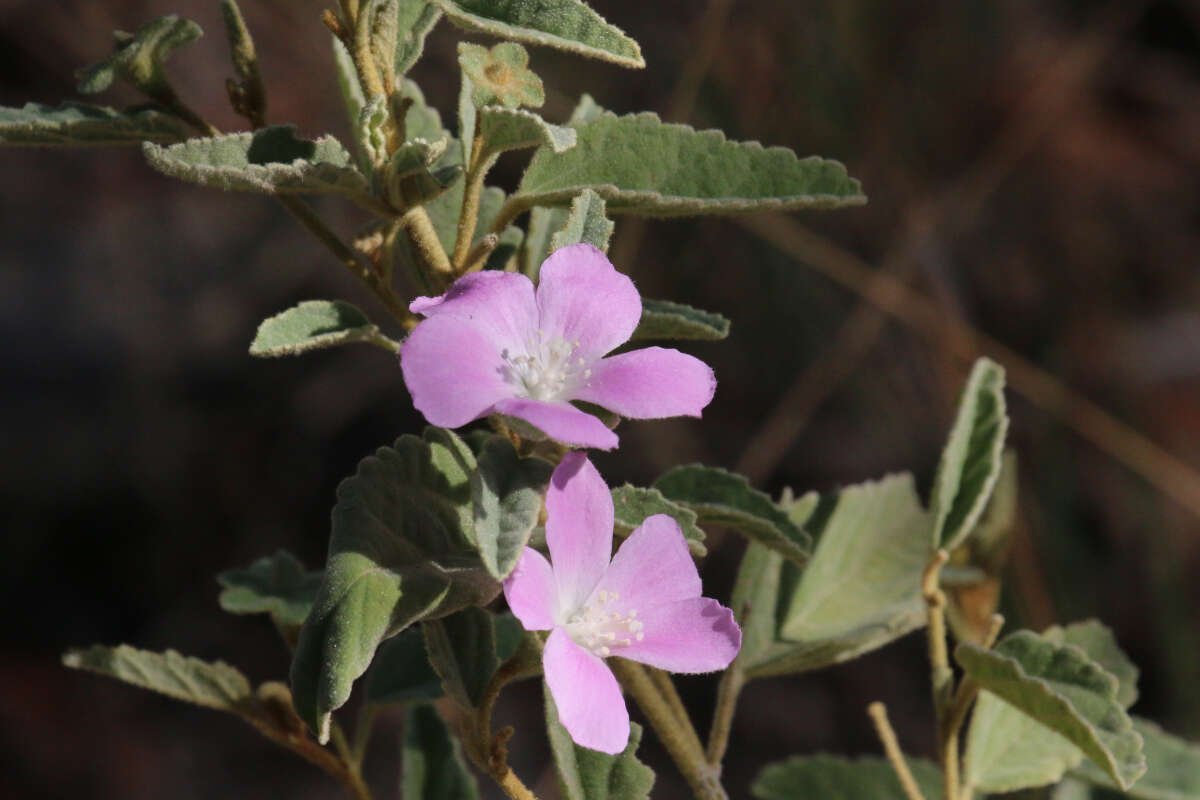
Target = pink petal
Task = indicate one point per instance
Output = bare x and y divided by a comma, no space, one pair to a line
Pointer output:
499,304
651,383
452,370
652,567
579,529
530,591
589,701
561,421
697,635
583,299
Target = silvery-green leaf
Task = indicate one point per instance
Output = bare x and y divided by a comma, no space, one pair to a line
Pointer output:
401,672
642,165
563,24
353,97
270,160
587,110
1173,767
462,650
312,325
383,19
543,224
516,128
277,585
971,461
431,763
662,319
632,504
585,223
211,684
139,57
831,777
416,19
400,552
507,494
81,125
724,498
1064,690
585,774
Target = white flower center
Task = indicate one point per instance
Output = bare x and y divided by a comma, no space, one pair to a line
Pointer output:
603,629
548,369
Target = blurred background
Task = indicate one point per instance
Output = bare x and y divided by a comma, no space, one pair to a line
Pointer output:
1033,171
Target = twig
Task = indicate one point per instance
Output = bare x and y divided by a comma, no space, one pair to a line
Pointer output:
728,691
666,687
891,747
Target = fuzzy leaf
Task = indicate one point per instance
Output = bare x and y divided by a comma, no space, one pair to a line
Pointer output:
270,161
507,494
1008,750
866,569
82,125
462,650
823,776
754,601
415,20
971,461
642,165
277,585
1173,767
400,552
585,223
401,672
353,97
1065,691
138,57
662,319
432,766
544,223
563,24
585,774
724,498
210,684
515,128
632,504
312,325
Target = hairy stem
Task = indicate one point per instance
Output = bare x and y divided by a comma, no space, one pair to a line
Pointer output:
941,676
364,61
351,775
436,266
728,691
477,169
891,746
702,777
666,687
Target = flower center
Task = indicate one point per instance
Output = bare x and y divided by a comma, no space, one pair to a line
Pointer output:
546,371
602,629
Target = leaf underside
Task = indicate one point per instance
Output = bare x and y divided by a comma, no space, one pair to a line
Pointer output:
83,125
311,325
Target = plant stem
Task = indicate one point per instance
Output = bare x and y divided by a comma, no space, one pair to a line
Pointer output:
350,775
941,676
419,229
666,687
364,62
727,696
702,777
477,169
891,746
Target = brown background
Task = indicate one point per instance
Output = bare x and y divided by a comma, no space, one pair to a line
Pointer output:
1032,169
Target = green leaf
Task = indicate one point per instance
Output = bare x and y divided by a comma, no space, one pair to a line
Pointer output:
462,650
642,165
754,601
585,774
270,161
723,498
312,325
400,553
587,110
585,223
632,504
277,585
138,57
401,672
415,20
543,224
211,684
432,766
81,125
352,92
823,776
563,24
515,128
972,458
662,319
1065,691
865,572
507,494
1009,750
1173,767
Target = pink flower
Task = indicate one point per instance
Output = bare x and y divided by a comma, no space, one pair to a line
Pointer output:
492,344
644,605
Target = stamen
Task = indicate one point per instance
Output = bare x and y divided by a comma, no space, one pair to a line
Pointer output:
548,370
603,628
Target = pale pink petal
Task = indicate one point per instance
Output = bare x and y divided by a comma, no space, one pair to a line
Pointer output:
589,701
697,635
583,299
530,591
650,383
561,421
651,568
499,304
579,529
453,371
